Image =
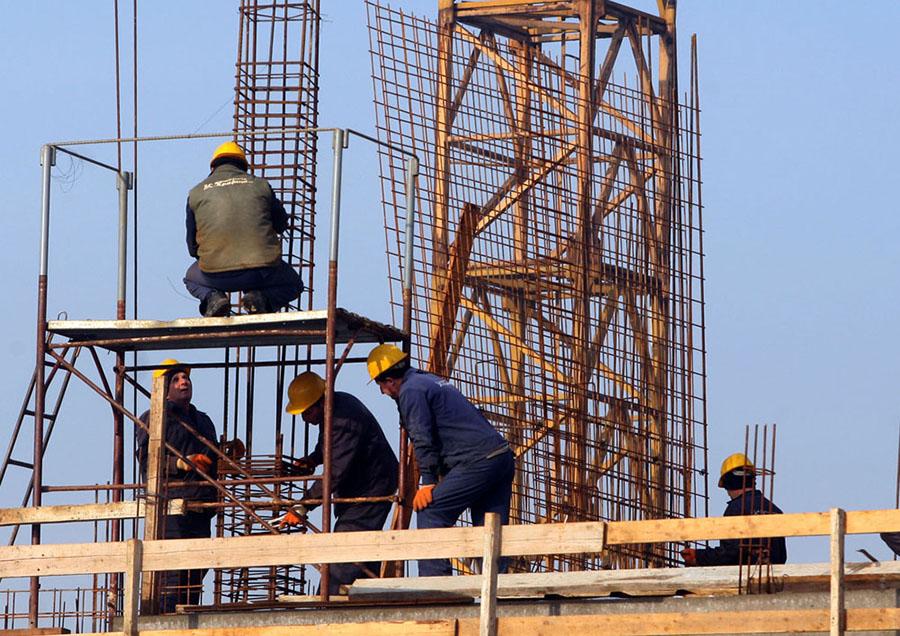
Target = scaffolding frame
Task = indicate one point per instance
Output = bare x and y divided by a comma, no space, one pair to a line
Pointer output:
56,357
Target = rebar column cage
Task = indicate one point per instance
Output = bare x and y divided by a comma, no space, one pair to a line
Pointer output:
559,246
276,92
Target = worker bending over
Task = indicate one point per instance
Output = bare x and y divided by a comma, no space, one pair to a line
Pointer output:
182,586
362,465
738,477
233,222
463,461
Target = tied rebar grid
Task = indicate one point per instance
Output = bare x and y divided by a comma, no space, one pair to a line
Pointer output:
558,264
276,87
245,585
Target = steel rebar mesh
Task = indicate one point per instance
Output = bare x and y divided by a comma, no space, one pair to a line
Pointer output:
245,585
582,343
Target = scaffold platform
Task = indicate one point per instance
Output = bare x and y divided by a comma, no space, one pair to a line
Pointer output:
289,328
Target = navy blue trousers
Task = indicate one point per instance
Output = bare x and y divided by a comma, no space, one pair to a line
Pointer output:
183,587
356,518
483,486
280,284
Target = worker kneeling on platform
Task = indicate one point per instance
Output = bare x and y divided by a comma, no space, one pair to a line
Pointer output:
183,586
738,477
363,465
233,222
463,461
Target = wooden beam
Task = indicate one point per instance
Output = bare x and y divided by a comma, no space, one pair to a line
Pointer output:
447,303
156,473
643,624
81,512
707,581
487,625
748,527
132,597
584,537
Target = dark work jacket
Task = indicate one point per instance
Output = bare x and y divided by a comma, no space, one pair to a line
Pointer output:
729,550
187,444
233,220
892,539
445,428
362,462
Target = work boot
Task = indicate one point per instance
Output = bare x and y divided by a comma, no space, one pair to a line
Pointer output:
216,305
254,302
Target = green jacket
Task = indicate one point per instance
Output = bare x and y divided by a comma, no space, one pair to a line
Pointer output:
233,221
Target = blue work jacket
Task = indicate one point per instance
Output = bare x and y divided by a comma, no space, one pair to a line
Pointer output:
445,428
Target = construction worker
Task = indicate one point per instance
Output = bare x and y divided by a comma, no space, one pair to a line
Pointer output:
233,222
463,461
182,586
362,465
738,478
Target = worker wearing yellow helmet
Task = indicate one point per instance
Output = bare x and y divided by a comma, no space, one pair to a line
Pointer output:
464,463
191,433
362,465
233,221
738,477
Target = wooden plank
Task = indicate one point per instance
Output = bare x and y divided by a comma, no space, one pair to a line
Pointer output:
720,581
752,526
487,625
643,624
61,559
266,550
559,538
81,512
447,627
836,616
132,593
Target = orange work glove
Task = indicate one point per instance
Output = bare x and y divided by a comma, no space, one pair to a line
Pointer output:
200,460
423,497
291,518
690,557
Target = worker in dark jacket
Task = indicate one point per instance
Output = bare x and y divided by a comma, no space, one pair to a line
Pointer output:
738,477
183,586
463,461
233,222
362,465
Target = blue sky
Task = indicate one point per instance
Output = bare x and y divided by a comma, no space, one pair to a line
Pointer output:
799,119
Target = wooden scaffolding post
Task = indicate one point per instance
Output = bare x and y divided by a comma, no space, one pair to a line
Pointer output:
837,619
489,569
153,522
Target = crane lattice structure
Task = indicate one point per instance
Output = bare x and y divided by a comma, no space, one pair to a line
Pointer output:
560,261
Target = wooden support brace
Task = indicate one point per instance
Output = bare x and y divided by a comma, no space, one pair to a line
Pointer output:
156,470
837,619
489,567
134,557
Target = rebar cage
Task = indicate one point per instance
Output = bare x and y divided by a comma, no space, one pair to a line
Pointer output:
559,260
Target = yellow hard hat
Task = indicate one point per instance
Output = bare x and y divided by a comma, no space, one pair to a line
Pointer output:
732,462
228,149
170,365
382,358
305,390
